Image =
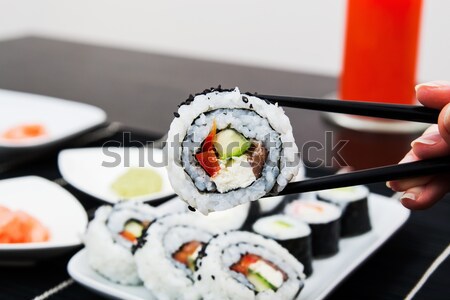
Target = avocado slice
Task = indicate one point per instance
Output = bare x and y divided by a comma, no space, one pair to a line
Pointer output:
259,282
134,227
191,263
229,143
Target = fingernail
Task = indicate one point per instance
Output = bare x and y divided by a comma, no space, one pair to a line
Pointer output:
408,158
427,139
447,119
388,184
410,196
433,84
413,193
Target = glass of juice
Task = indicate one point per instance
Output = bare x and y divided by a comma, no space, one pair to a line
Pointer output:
380,51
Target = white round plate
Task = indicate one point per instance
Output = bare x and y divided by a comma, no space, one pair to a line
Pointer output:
53,206
93,170
80,271
61,118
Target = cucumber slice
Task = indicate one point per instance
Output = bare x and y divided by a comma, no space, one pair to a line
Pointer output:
134,227
283,224
229,143
259,282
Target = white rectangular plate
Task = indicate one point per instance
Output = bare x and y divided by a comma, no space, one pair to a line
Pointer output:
387,215
61,118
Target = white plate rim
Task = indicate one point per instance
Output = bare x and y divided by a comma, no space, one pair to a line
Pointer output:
95,285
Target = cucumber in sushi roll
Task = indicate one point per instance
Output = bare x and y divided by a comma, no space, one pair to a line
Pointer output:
166,255
353,201
226,148
244,265
112,234
324,220
292,234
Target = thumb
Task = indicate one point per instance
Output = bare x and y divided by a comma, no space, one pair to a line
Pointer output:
444,123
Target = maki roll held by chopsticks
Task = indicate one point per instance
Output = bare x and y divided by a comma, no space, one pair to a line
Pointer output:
226,148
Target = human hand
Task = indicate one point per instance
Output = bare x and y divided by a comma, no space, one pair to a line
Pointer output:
423,192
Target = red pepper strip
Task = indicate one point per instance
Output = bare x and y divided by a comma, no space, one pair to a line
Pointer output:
242,265
185,251
209,162
208,142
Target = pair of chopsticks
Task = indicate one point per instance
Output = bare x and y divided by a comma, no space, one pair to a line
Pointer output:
379,110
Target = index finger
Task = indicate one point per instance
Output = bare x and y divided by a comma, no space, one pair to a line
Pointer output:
434,94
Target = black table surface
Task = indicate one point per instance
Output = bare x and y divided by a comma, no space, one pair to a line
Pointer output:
141,90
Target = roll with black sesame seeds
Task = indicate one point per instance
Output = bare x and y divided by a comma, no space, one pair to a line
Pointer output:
226,148
111,237
166,258
244,265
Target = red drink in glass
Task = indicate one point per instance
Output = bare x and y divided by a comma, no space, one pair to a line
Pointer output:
381,50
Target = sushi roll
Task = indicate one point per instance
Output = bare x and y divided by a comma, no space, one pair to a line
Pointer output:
292,234
324,220
110,237
244,265
353,201
166,255
226,148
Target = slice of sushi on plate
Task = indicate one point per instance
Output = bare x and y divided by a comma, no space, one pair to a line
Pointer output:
110,238
353,201
166,255
244,265
226,148
324,220
292,234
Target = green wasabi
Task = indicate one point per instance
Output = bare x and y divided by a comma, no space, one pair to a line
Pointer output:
137,182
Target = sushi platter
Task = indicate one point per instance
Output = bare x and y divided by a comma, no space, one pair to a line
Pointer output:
387,215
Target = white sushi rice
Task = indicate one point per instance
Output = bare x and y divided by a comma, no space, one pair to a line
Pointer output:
107,252
345,194
290,228
163,275
215,280
267,120
313,211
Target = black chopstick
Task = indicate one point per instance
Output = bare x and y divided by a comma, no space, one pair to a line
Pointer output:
380,110
386,173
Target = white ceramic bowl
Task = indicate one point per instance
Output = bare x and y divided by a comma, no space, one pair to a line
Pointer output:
85,169
53,206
